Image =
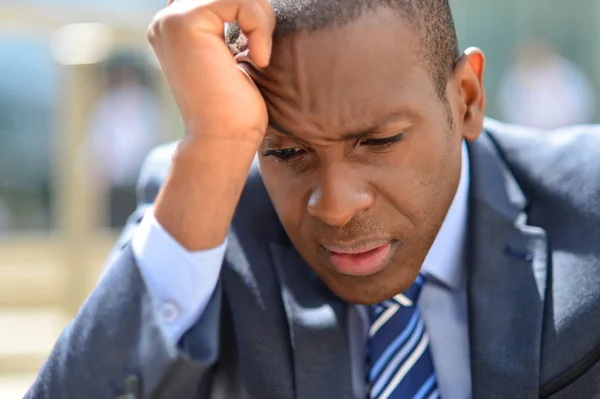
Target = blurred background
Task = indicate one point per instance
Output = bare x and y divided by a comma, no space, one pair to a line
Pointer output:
82,102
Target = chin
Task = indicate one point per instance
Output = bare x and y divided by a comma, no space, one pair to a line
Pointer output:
367,290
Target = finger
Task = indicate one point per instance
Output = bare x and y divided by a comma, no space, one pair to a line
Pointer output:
268,9
257,21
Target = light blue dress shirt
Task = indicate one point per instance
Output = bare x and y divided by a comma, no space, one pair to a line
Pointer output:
182,282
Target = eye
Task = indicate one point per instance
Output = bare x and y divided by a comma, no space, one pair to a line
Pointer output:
383,141
284,154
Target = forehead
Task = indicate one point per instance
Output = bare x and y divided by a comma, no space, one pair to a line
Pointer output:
337,78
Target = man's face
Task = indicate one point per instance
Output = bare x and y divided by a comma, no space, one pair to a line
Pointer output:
361,160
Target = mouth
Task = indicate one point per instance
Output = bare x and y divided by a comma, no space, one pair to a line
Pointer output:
360,259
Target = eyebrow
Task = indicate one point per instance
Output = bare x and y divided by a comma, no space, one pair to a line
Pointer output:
360,134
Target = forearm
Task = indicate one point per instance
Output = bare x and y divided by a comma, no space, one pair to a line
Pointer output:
197,202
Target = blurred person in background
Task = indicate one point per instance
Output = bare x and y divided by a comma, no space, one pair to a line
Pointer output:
543,89
126,124
341,221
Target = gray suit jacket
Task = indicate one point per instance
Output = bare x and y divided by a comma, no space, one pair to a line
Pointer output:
274,330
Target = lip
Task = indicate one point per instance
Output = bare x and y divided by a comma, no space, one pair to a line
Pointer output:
360,259
356,247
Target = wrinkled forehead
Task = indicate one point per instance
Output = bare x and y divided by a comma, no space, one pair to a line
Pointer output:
358,70
379,38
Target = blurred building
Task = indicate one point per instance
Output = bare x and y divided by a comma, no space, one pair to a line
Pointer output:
58,139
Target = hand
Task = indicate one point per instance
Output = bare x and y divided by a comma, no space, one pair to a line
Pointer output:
223,112
213,94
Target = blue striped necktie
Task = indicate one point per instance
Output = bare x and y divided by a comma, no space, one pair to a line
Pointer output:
401,363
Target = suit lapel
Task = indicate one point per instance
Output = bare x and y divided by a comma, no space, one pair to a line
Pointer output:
317,323
507,281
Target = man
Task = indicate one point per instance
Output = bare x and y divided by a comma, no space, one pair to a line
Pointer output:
370,253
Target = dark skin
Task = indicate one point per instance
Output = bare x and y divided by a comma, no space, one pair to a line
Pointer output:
359,149
352,156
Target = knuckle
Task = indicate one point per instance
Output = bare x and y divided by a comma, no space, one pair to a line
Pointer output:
164,22
152,33
170,22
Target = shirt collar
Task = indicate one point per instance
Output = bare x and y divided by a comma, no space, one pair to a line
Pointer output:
445,259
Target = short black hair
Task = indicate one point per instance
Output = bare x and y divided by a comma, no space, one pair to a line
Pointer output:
431,20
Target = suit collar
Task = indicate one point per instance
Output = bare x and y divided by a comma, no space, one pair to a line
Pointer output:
493,184
507,272
318,327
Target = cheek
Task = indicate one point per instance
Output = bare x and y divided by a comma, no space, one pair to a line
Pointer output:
439,173
285,195
415,177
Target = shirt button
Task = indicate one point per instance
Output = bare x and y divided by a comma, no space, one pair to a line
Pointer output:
169,312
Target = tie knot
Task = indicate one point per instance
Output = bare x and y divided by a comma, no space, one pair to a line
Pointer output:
412,293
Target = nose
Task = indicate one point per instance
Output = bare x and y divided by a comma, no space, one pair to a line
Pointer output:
339,195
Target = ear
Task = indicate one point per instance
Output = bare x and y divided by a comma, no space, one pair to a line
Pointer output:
468,80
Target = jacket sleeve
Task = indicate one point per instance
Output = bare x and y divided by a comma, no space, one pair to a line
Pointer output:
116,346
